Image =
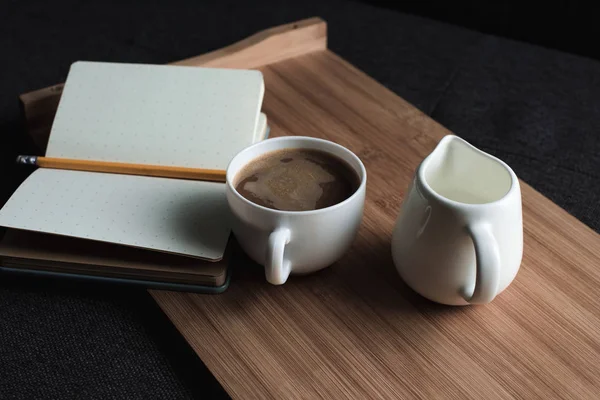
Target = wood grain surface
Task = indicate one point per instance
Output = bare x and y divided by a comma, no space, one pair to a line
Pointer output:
355,330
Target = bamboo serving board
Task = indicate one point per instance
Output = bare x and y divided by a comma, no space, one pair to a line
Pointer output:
355,330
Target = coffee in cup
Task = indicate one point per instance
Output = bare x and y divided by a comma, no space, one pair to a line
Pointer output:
297,180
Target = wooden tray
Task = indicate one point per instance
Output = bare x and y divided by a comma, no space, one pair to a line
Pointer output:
355,330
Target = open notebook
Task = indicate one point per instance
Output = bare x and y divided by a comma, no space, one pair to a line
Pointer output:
148,114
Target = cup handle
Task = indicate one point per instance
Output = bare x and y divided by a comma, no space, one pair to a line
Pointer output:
487,257
277,269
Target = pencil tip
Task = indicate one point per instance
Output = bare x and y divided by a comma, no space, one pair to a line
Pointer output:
29,160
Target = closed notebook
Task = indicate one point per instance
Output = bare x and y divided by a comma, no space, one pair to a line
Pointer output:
34,251
145,114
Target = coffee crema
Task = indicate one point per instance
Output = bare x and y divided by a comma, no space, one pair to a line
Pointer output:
297,180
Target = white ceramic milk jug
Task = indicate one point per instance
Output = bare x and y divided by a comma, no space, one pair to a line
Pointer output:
459,236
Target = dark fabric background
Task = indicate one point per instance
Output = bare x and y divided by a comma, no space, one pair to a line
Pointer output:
567,25
535,108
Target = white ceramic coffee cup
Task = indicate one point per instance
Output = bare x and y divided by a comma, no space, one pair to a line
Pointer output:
297,242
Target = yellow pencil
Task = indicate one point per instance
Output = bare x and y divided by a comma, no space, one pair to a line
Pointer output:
213,175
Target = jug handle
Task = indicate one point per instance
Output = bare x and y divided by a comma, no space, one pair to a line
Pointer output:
487,257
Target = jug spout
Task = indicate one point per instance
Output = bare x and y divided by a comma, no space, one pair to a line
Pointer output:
459,172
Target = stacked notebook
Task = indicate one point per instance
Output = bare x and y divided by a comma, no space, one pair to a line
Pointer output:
157,231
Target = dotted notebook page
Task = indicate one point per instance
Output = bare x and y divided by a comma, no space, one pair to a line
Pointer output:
171,215
261,129
156,114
